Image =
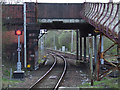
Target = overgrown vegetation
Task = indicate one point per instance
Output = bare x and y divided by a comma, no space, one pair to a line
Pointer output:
63,38
105,83
6,83
108,43
60,38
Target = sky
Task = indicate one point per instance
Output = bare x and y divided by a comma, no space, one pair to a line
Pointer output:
74,1
61,1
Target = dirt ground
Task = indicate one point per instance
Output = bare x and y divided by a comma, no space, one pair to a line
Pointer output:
74,76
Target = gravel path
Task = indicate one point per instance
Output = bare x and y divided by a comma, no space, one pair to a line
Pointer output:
75,75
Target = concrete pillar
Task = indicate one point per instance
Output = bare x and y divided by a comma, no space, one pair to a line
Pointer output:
84,48
77,45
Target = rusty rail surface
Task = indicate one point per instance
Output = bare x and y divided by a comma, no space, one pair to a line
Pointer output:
104,17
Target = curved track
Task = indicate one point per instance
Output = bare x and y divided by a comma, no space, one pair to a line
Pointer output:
65,68
35,85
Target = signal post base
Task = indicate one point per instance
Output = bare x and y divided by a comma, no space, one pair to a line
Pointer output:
18,74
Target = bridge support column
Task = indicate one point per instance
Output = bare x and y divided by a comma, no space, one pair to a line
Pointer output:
118,53
84,48
80,47
95,49
102,50
91,59
77,45
95,55
99,57
118,48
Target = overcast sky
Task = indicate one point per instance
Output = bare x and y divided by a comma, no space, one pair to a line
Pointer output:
61,1
71,1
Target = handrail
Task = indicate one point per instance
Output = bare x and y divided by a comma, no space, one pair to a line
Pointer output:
109,15
102,12
98,11
102,16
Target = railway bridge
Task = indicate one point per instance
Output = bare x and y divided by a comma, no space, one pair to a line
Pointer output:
86,18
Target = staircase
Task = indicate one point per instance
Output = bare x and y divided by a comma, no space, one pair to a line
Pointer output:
105,17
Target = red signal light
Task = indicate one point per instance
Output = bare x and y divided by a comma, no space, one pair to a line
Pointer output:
18,32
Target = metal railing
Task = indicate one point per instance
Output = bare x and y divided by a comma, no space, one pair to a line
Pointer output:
104,17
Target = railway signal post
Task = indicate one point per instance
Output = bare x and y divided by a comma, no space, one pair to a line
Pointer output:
19,73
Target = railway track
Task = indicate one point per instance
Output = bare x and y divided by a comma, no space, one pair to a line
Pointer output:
51,70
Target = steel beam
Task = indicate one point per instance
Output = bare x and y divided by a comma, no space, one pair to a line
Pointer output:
102,50
95,49
118,53
77,45
98,61
80,47
72,41
95,55
84,48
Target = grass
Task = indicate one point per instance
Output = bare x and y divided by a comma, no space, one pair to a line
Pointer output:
105,83
6,72
111,58
7,82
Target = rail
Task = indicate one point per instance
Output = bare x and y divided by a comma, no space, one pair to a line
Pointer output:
31,87
61,77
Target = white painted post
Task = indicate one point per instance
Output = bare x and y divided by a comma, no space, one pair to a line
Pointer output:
72,41
102,49
42,41
10,73
63,48
91,60
25,57
0,46
54,43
